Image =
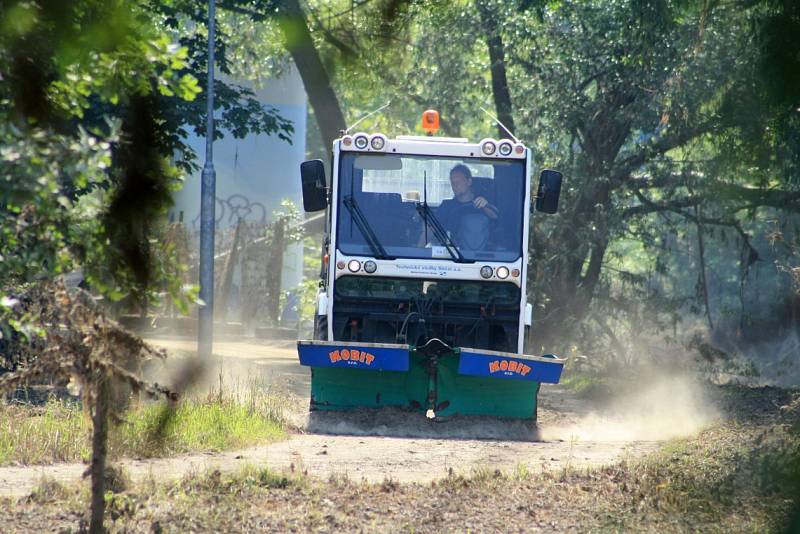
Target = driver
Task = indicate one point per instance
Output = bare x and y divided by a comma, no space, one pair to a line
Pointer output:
466,216
452,210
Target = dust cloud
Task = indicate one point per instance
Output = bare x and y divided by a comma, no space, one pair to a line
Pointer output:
236,362
647,405
655,407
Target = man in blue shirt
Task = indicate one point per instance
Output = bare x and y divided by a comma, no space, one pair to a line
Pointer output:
466,217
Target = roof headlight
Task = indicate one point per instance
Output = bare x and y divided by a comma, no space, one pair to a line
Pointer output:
505,149
502,272
370,266
354,266
378,142
488,147
361,141
486,271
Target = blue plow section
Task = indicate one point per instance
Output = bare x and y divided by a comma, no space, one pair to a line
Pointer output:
546,369
351,355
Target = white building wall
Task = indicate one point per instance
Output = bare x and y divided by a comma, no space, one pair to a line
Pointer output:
256,173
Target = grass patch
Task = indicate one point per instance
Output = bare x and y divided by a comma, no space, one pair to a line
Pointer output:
55,432
730,477
210,424
60,432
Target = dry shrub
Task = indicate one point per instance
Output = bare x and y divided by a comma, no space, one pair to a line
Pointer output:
81,344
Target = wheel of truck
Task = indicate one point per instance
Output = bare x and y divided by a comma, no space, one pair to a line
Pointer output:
321,327
526,340
320,334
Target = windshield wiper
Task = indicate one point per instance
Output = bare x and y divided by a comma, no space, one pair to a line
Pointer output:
366,230
438,230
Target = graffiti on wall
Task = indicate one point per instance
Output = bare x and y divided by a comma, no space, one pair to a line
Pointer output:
229,211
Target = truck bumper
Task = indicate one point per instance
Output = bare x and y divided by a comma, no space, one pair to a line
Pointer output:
448,381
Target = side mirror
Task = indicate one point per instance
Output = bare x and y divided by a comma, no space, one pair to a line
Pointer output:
549,191
312,176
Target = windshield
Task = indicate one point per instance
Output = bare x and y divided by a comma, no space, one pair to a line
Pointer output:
401,206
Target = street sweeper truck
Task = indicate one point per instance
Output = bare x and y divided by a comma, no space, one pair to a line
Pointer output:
422,301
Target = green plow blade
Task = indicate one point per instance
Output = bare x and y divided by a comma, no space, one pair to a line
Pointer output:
432,382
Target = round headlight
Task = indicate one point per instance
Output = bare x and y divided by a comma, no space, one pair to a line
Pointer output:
378,142
370,266
502,272
354,266
347,140
486,271
488,148
361,142
505,149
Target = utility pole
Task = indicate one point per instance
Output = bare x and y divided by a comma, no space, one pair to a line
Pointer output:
208,194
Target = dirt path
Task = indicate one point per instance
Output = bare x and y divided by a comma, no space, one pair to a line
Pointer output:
356,457
394,445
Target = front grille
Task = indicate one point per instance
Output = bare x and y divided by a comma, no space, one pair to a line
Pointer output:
482,315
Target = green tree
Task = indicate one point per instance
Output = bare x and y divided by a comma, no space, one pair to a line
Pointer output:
78,192
237,111
289,18
69,187
636,102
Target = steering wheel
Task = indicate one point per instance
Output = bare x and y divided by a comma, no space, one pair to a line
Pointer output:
474,228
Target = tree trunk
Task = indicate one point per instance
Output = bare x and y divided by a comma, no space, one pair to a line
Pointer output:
99,453
574,275
497,58
702,275
224,290
297,40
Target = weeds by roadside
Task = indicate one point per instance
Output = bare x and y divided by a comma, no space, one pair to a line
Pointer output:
212,423
55,432
59,430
